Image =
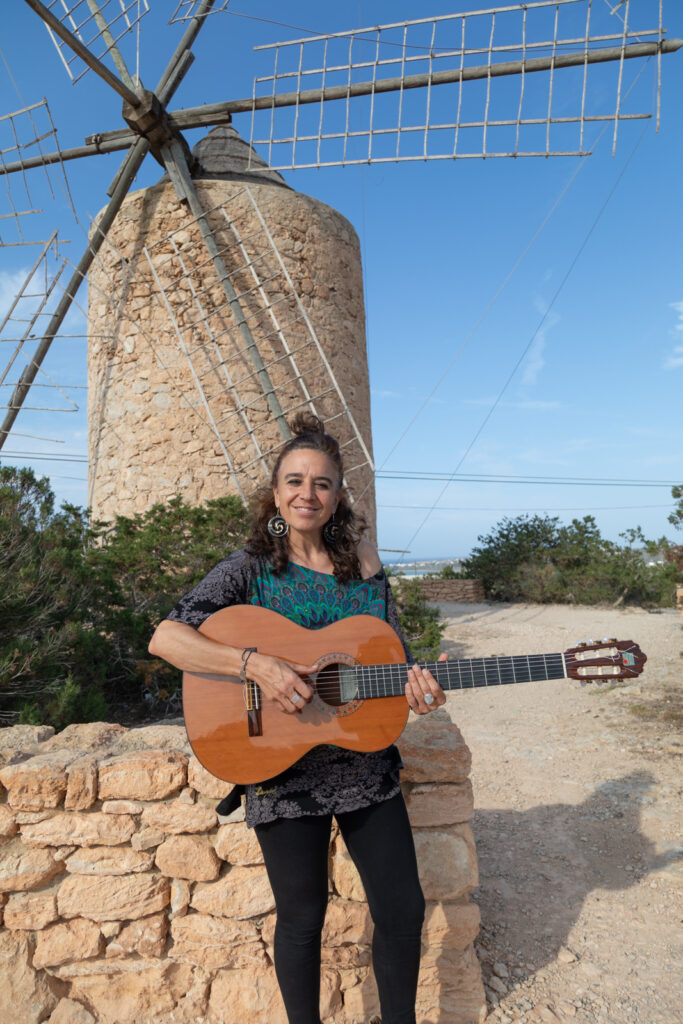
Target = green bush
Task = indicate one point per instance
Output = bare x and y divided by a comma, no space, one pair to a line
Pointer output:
79,600
535,558
420,621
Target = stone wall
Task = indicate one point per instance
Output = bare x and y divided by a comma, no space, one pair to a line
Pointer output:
124,898
149,436
453,590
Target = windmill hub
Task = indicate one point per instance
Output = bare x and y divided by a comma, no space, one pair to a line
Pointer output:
149,119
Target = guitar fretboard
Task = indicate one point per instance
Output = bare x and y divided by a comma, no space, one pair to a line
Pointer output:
461,674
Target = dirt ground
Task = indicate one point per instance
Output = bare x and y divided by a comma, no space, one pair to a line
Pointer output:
577,796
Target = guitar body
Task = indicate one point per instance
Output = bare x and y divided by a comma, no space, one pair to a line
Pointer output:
217,719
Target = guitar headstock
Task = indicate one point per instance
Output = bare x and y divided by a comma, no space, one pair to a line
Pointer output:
604,661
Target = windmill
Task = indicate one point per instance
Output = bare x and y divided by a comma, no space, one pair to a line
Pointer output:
242,345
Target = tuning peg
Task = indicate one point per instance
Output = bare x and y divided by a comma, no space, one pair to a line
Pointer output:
607,640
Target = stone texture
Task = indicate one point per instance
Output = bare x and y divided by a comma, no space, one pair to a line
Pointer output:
81,790
94,829
134,991
238,844
450,925
141,449
144,775
178,817
72,940
450,987
204,782
26,996
344,875
24,737
241,893
88,736
123,806
35,784
147,839
347,922
146,937
212,942
155,738
28,911
433,750
8,822
188,857
112,898
22,868
68,1011
431,804
181,892
447,862
246,996
108,860
361,1001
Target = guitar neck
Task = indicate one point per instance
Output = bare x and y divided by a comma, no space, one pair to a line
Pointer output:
461,673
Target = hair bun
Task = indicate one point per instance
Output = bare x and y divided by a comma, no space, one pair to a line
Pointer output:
306,423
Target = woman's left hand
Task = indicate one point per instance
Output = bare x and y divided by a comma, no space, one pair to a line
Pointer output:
422,684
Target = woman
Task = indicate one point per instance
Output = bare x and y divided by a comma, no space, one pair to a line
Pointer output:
306,560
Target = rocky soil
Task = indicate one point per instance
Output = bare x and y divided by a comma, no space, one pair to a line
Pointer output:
577,791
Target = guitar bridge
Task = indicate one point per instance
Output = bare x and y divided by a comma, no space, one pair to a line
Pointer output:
252,702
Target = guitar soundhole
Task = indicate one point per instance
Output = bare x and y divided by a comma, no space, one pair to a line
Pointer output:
336,687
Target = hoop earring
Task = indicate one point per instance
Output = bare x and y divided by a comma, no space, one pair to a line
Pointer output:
277,525
331,532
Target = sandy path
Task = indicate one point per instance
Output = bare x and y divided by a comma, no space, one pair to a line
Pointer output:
577,822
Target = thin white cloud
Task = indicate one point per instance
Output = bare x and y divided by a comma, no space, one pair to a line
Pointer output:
535,360
10,283
674,360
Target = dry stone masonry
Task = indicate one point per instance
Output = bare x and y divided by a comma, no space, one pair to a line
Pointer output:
125,899
150,435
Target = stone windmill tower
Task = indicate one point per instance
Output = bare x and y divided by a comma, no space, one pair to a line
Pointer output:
220,300
177,403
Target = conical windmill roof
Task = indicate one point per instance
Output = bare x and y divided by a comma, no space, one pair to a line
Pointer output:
223,154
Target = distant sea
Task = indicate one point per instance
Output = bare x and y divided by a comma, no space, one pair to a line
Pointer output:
421,567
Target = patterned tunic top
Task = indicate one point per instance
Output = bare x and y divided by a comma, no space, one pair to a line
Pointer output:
328,779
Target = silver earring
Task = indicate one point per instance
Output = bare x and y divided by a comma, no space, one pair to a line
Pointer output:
331,532
277,525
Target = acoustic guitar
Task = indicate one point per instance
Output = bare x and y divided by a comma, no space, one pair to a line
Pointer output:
241,736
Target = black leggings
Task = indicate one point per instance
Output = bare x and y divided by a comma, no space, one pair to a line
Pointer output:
380,843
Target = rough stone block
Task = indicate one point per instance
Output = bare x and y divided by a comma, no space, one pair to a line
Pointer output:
22,869
29,911
94,829
447,862
241,893
71,940
112,898
108,860
178,817
211,942
26,995
35,784
238,844
190,857
431,804
143,775
146,937
433,750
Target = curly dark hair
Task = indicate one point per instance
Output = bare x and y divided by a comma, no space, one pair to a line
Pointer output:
309,432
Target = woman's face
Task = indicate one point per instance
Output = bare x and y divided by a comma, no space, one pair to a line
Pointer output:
307,490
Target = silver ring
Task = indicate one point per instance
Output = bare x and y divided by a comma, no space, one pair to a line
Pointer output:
295,698
428,698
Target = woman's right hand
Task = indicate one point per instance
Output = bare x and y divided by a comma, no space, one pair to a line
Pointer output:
281,681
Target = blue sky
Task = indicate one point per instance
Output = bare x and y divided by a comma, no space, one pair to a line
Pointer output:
589,317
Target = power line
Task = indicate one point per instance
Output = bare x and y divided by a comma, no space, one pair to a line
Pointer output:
499,478
474,508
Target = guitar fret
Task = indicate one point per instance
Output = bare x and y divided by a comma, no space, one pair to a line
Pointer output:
463,673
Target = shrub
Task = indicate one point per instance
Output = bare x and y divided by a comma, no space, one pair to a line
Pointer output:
420,621
539,559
